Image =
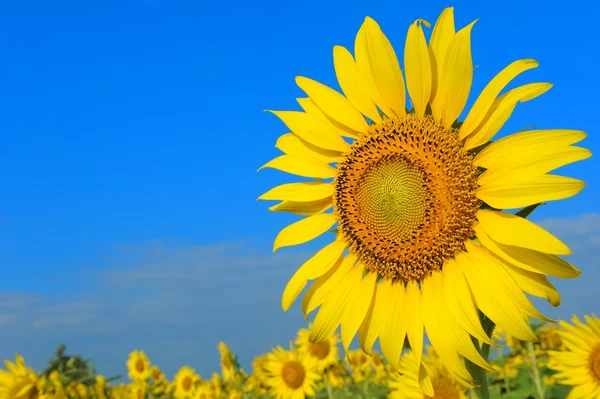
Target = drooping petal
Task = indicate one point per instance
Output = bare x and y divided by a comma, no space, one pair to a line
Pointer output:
291,144
393,328
299,192
322,288
501,109
316,131
358,306
456,77
534,284
353,83
528,259
488,95
443,32
510,229
303,208
333,104
377,62
304,230
315,267
417,68
301,165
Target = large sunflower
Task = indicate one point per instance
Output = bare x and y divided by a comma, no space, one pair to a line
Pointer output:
18,381
425,235
291,375
579,364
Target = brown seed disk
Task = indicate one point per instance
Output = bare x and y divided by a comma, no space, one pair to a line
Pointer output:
405,197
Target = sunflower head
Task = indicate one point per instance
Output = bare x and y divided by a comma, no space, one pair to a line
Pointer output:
18,381
325,352
138,366
291,373
185,381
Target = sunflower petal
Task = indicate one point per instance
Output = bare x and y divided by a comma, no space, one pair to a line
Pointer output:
316,131
321,289
315,267
456,76
501,110
527,259
393,329
299,192
414,314
360,302
371,326
353,83
301,165
291,144
488,95
509,229
534,284
304,230
377,62
425,381
333,104
303,208
417,68
443,32
311,108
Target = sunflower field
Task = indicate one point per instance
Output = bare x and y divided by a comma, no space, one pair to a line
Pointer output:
544,369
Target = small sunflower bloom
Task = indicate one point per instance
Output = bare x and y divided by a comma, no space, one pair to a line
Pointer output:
18,381
579,363
291,374
420,207
138,366
185,381
325,352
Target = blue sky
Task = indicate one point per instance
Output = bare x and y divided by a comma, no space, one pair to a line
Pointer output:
130,136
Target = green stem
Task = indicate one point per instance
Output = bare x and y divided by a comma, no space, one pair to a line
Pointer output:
329,391
479,375
537,379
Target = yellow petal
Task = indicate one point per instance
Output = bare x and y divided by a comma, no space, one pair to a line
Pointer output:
501,110
315,267
460,302
417,68
414,314
442,34
504,194
301,165
371,326
291,144
330,314
358,306
304,230
315,131
333,104
492,301
299,192
509,229
456,76
425,381
353,83
311,108
527,259
377,62
520,146
535,163
393,329
534,284
303,208
322,288
488,95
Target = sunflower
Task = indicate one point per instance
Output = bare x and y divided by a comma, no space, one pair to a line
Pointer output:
291,374
204,391
359,364
138,389
325,352
138,366
100,387
405,384
579,363
227,362
418,202
18,381
185,381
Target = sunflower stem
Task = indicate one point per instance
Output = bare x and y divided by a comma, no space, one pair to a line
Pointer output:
479,375
329,391
536,377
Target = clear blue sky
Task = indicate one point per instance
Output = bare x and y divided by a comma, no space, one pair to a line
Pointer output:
130,135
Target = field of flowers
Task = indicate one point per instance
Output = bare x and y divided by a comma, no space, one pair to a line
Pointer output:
522,370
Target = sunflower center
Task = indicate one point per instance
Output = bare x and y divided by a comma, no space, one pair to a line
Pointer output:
140,366
444,388
293,374
595,363
320,350
186,384
405,197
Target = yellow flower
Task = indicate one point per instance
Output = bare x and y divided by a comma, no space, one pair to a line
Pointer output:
121,391
138,390
325,352
100,387
18,381
291,374
217,384
204,391
579,363
138,366
359,364
425,234
227,362
235,394
184,382
407,385
550,338
336,375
